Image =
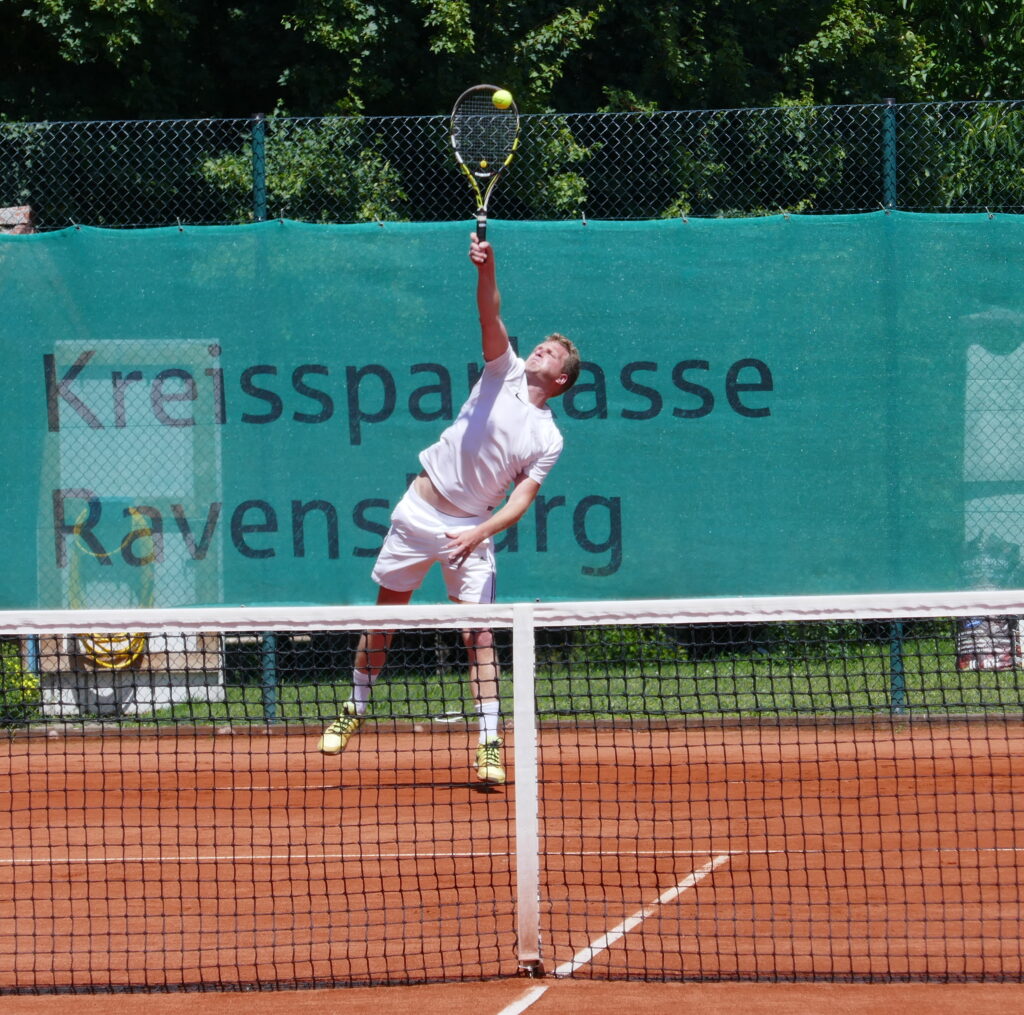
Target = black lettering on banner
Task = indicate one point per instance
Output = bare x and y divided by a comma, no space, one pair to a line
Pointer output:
324,400
442,390
611,545
372,393
81,528
652,395
356,414
264,394
120,382
299,512
507,541
595,387
595,522
733,387
57,390
200,550
240,528
543,507
152,535
368,525
704,394
158,398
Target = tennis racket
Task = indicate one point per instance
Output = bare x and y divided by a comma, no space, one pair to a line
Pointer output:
484,138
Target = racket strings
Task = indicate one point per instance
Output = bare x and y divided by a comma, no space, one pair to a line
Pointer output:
483,135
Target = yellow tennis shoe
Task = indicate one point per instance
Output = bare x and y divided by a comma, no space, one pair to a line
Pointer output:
488,763
337,735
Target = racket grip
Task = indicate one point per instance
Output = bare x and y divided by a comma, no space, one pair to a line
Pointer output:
481,226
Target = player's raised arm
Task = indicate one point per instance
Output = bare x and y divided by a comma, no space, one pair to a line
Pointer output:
494,337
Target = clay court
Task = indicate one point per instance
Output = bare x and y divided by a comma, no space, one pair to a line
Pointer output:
805,852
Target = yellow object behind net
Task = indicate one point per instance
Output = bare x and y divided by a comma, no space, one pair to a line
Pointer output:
112,651
118,650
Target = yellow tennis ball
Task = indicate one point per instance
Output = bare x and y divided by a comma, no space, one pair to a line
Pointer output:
483,163
502,99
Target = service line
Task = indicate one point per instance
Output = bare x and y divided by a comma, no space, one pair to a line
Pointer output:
582,957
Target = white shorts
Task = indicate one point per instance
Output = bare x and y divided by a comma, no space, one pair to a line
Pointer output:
414,543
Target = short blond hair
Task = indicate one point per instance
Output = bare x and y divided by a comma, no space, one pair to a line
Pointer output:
571,366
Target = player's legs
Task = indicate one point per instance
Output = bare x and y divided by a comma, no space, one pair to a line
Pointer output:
484,669
371,656
372,650
474,581
405,557
483,678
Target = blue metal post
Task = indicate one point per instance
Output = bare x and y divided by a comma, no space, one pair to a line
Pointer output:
897,674
889,154
897,679
259,168
32,654
268,653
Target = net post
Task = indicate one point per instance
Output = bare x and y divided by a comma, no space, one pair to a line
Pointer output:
524,726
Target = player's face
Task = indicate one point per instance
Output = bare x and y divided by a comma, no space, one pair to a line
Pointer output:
547,361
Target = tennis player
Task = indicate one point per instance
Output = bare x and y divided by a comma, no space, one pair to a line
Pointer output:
504,436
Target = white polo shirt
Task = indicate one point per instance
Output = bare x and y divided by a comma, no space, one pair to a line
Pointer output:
498,436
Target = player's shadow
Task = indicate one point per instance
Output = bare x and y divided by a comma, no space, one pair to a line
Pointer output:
479,788
486,789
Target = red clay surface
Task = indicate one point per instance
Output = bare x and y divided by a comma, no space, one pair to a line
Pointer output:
560,997
792,852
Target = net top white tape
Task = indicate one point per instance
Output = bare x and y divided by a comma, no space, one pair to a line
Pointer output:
553,614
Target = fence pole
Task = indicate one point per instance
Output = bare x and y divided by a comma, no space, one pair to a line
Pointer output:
897,681
259,168
897,674
889,154
268,682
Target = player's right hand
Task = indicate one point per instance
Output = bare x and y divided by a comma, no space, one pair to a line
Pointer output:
479,253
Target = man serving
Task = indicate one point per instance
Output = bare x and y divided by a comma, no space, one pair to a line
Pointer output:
504,436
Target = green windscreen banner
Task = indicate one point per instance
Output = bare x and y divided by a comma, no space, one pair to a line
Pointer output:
775,406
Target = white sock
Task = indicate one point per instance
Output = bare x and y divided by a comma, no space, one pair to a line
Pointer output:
362,687
489,720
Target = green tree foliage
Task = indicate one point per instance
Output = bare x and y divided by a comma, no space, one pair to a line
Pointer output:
122,59
911,50
315,169
19,689
972,50
78,59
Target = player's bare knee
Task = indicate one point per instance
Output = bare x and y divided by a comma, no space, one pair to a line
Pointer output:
478,638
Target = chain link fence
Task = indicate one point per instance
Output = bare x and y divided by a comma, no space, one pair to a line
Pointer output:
964,156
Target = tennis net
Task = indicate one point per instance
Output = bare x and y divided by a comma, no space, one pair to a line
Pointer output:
719,789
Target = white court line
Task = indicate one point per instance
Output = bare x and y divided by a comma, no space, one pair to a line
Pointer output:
582,957
524,1002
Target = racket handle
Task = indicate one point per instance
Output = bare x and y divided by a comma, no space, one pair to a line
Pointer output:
481,226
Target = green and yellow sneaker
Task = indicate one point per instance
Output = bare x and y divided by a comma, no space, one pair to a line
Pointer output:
337,735
488,763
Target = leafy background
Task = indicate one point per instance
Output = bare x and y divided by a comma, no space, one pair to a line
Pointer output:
118,59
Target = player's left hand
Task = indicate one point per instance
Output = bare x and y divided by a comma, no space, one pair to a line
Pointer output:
461,545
